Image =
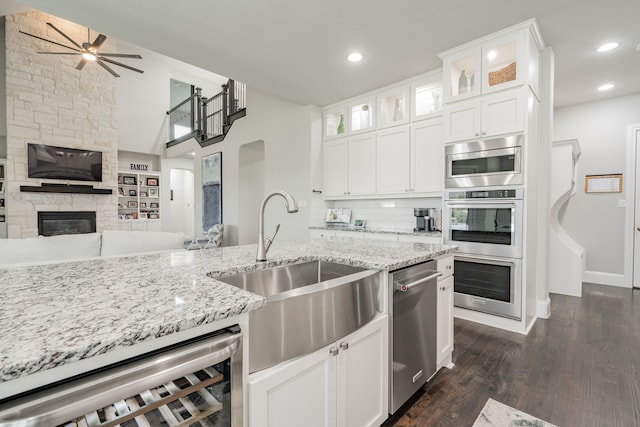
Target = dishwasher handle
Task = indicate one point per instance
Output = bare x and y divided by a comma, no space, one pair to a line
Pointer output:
405,287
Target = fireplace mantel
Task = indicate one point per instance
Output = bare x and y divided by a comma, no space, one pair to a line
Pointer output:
64,188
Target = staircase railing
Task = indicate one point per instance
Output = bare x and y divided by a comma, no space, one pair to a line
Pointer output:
207,119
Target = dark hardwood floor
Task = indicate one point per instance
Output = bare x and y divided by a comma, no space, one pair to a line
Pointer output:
581,367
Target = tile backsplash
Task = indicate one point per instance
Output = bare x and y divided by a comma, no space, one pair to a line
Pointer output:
379,213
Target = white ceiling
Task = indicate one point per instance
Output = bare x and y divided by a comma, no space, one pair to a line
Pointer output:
297,49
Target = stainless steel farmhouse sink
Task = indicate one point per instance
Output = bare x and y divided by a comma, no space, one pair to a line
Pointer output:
309,305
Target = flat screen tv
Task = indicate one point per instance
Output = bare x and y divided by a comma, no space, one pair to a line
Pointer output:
48,162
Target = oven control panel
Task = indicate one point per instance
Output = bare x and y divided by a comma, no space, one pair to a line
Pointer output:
507,193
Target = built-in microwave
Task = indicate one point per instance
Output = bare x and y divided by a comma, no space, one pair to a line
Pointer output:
483,163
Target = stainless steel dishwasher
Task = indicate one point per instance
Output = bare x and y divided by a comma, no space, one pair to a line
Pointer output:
194,383
413,341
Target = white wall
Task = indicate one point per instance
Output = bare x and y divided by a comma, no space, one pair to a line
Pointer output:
594,220
286,129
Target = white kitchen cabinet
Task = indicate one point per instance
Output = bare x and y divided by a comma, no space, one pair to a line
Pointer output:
344,384
485,117
445,311
334,168
426,97
361,169
394,160
362,115
485,67
427,157
393,107
335,122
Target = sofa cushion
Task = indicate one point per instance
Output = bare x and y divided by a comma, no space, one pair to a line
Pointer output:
51,248
116,242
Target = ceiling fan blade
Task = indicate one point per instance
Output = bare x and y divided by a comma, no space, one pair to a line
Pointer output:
81,64
49,41
103,65
64,35
98,41
120,64
121,55
61,53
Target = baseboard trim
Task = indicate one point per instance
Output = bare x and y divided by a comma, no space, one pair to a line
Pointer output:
544,308
601,278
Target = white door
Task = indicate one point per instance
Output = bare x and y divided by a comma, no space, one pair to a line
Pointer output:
181,201
636,226
298,393
363,376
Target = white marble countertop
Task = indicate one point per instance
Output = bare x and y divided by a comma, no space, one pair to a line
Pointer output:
398,231
58,313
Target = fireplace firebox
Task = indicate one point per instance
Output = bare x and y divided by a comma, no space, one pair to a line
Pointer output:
66,222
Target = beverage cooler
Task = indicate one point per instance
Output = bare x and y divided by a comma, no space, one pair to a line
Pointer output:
197,383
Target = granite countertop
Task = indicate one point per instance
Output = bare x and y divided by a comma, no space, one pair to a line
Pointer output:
398,231
56,314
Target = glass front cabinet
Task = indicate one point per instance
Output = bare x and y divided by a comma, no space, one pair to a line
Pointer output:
393,107
361,115
484,68
335,122
426,98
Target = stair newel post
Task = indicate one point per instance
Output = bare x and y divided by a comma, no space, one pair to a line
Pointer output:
233,105
195,106
202,112
225,105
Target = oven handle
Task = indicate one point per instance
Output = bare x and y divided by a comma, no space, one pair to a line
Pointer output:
404,288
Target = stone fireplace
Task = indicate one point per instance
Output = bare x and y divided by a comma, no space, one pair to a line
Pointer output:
66,222
50,102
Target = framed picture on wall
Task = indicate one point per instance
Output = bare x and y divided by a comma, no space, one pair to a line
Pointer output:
143,194
132,193
153,192
143,204
154,205
129,180
152,182
132,204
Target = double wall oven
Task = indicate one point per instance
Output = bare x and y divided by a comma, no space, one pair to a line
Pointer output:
483,216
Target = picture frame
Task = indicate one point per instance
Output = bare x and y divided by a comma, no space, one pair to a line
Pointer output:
1,186
359,223
154,205
152,182
1,203
1,171
143,194
143,215
129,180
153,192
153,216
119,179
143,204
2,218
120,191
132,204
132,193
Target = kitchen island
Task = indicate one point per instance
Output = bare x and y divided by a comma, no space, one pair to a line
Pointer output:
60,315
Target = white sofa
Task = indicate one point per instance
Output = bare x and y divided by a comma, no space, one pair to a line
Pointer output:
78,246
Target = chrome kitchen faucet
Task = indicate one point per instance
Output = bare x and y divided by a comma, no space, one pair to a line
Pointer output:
265,244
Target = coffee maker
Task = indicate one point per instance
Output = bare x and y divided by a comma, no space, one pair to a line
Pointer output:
426,219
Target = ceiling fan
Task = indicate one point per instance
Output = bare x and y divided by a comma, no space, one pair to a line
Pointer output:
89,51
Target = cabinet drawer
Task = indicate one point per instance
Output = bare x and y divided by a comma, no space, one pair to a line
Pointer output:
445,265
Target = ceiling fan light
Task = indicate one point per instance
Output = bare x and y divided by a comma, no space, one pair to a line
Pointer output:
89,56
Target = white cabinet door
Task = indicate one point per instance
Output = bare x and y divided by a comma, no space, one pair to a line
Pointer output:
503,113
334,168
445,320
361,170
427,157
363,376
393,154
298,393
462,121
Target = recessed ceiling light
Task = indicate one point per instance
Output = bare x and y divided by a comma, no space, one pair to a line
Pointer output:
608,46
605,86
355,57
